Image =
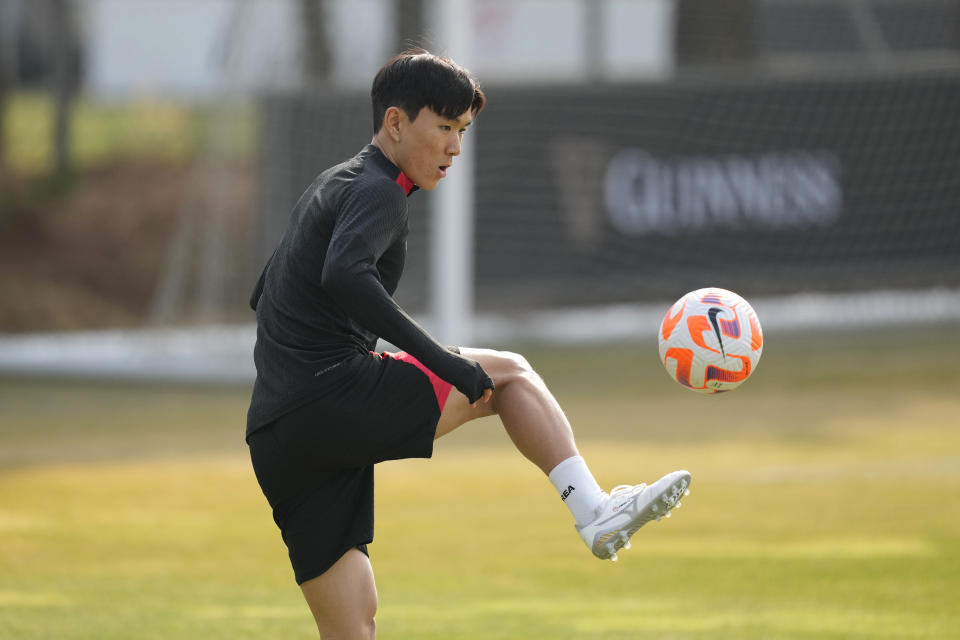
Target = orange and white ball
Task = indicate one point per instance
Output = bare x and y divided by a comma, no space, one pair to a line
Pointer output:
710,340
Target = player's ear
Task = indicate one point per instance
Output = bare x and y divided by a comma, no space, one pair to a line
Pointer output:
391,122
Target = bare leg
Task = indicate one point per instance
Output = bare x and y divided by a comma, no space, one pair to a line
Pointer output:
344,599
529,412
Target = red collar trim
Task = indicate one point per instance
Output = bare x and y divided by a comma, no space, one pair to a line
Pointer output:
405,183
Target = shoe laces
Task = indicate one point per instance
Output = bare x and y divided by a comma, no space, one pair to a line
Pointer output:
625,488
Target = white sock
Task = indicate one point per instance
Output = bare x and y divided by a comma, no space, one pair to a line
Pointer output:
578,489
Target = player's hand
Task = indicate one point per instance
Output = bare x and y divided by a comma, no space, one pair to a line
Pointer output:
473,382
487,394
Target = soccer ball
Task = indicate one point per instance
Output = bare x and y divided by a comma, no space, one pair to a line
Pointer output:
710,340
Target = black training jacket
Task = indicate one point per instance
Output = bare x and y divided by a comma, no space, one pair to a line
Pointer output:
326,292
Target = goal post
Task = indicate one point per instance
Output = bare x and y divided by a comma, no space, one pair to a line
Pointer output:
450,296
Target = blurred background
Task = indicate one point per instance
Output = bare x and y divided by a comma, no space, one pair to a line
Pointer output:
804,153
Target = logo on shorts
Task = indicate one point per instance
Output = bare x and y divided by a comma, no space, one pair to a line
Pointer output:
566,493
330,368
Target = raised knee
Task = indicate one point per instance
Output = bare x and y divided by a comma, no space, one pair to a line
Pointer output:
519,362
517,365
515,371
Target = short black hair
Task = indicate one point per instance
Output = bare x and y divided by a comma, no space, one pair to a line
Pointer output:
417,78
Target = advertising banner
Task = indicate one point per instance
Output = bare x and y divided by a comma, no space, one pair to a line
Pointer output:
625,193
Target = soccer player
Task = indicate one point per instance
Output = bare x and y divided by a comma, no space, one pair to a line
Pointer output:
326,408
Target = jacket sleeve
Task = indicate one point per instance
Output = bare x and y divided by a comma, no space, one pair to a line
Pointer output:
365,229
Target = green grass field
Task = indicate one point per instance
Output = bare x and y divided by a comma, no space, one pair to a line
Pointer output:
824,505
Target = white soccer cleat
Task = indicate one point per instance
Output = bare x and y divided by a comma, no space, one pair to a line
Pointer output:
629,508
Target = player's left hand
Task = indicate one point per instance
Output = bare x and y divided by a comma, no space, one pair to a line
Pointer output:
487,394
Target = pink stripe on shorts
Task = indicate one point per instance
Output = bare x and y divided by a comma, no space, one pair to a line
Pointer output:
441,388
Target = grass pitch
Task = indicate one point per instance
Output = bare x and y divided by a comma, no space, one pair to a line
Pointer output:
824,504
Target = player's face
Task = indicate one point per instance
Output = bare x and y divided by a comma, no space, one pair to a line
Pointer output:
428,145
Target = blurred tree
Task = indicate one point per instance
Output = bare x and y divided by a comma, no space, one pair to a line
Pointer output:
711,32
410,31
4,88
317,62
65,79
9,25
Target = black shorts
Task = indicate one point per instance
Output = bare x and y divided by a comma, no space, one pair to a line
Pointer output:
315,464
